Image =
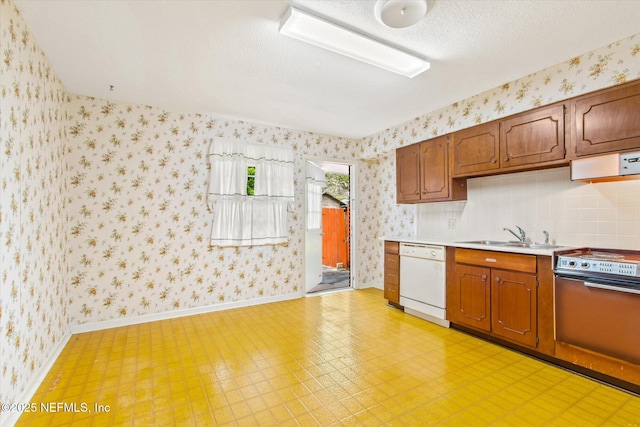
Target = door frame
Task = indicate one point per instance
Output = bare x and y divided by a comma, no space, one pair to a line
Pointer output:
353,175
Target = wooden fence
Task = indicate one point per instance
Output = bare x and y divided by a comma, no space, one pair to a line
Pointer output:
335,238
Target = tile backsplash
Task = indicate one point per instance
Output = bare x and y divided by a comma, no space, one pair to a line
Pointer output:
602,215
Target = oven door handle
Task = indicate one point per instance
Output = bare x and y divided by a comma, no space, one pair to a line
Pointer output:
611,288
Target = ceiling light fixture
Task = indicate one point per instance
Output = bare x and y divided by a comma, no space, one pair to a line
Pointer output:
320,32
400,13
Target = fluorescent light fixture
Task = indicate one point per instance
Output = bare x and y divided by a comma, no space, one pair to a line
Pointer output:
316,31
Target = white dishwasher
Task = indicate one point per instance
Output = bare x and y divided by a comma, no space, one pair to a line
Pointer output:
423,281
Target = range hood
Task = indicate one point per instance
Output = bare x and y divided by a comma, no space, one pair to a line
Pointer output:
608,167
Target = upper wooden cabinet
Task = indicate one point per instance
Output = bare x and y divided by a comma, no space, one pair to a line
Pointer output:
434,168
422,173
607,120
408,174
476,150
601,122
534,139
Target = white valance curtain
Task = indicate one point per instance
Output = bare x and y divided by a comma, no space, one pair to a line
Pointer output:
240,219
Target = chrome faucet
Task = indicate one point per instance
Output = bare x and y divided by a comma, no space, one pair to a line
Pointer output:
523,235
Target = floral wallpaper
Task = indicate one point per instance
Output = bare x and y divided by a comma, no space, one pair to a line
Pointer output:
610,65
34,315
139,224
103,213
379,216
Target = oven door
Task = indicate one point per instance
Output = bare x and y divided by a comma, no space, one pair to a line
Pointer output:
598,316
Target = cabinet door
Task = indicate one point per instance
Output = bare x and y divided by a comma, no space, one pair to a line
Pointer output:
514,306
474,296
607,121
533,138
408,174
434,179
476,150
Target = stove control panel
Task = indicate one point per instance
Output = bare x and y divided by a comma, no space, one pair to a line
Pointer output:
620,268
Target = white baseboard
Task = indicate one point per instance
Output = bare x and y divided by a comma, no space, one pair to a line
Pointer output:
371,285
27,394
135,320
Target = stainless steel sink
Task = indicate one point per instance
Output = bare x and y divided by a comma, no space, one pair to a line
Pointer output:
486,242
517,244
530,245
543,246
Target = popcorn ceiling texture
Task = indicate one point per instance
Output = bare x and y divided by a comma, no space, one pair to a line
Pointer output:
104,217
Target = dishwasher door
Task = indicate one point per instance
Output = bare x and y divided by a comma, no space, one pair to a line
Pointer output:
423,288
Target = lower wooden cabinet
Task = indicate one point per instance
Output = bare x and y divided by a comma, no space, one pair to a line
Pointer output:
498,301
472,286
392,272
514,306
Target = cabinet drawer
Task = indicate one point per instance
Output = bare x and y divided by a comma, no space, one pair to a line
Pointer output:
502,260
392,277
392,293
392,247
392,261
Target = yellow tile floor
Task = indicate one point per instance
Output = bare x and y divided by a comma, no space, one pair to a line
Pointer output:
337,359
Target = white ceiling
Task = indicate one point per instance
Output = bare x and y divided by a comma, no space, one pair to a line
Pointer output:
227,57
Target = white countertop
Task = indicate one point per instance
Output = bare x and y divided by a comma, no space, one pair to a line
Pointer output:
458,244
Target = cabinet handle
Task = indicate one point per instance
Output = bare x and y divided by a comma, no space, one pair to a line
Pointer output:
484,277
506,159
497,279
493,160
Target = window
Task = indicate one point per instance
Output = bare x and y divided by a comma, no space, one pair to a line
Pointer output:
250,190
251,180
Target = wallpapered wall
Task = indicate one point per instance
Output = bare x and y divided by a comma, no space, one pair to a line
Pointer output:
103,213
139,224
613,64
34,315
604,214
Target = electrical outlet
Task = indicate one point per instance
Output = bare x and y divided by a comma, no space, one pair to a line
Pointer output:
452,224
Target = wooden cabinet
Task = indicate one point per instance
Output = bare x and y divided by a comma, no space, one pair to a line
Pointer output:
495,292
474,297
531,140
476,150
392,272
434,169
607,121
514,306
408,174
422,173
601,122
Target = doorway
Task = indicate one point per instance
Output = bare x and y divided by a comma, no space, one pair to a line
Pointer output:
329,229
